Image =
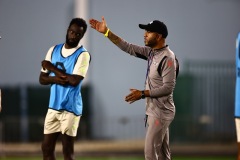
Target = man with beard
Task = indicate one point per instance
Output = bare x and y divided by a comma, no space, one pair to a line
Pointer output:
64,68
159,85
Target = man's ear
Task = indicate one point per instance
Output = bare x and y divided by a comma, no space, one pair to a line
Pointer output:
159,36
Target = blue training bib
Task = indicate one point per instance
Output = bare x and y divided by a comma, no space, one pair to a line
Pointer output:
66,97
237,89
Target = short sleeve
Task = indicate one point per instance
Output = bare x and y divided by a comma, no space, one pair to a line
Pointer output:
48,58
82,64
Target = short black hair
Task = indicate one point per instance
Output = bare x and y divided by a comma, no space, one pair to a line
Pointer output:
80,22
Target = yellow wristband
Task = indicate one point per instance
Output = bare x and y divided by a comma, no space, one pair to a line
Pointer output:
106,34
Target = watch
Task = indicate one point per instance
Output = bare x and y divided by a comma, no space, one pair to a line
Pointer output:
143,95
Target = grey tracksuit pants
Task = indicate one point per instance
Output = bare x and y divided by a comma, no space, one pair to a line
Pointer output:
157,139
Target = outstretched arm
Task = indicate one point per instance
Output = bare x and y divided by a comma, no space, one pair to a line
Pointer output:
141,52
102,28
134,50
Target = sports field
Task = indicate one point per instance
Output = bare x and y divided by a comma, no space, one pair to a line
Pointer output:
121,158
120,150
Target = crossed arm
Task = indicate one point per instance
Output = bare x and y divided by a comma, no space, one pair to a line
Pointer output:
60,77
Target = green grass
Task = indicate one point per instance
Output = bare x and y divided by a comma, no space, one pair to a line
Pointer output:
204,158
120,158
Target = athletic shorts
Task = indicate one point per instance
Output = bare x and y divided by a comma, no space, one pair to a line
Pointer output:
237,122
61,121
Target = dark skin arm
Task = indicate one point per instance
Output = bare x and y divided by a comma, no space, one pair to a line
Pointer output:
59,78
136,95
101,26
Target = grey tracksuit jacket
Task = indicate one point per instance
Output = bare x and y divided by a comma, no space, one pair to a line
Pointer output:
160,78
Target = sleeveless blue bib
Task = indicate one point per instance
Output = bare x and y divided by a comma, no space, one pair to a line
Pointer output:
237,90
65,97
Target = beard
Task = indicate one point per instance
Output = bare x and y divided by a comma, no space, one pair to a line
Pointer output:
150,43
71,43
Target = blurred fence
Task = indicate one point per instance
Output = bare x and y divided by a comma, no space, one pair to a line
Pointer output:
205,103
204,98
24,110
